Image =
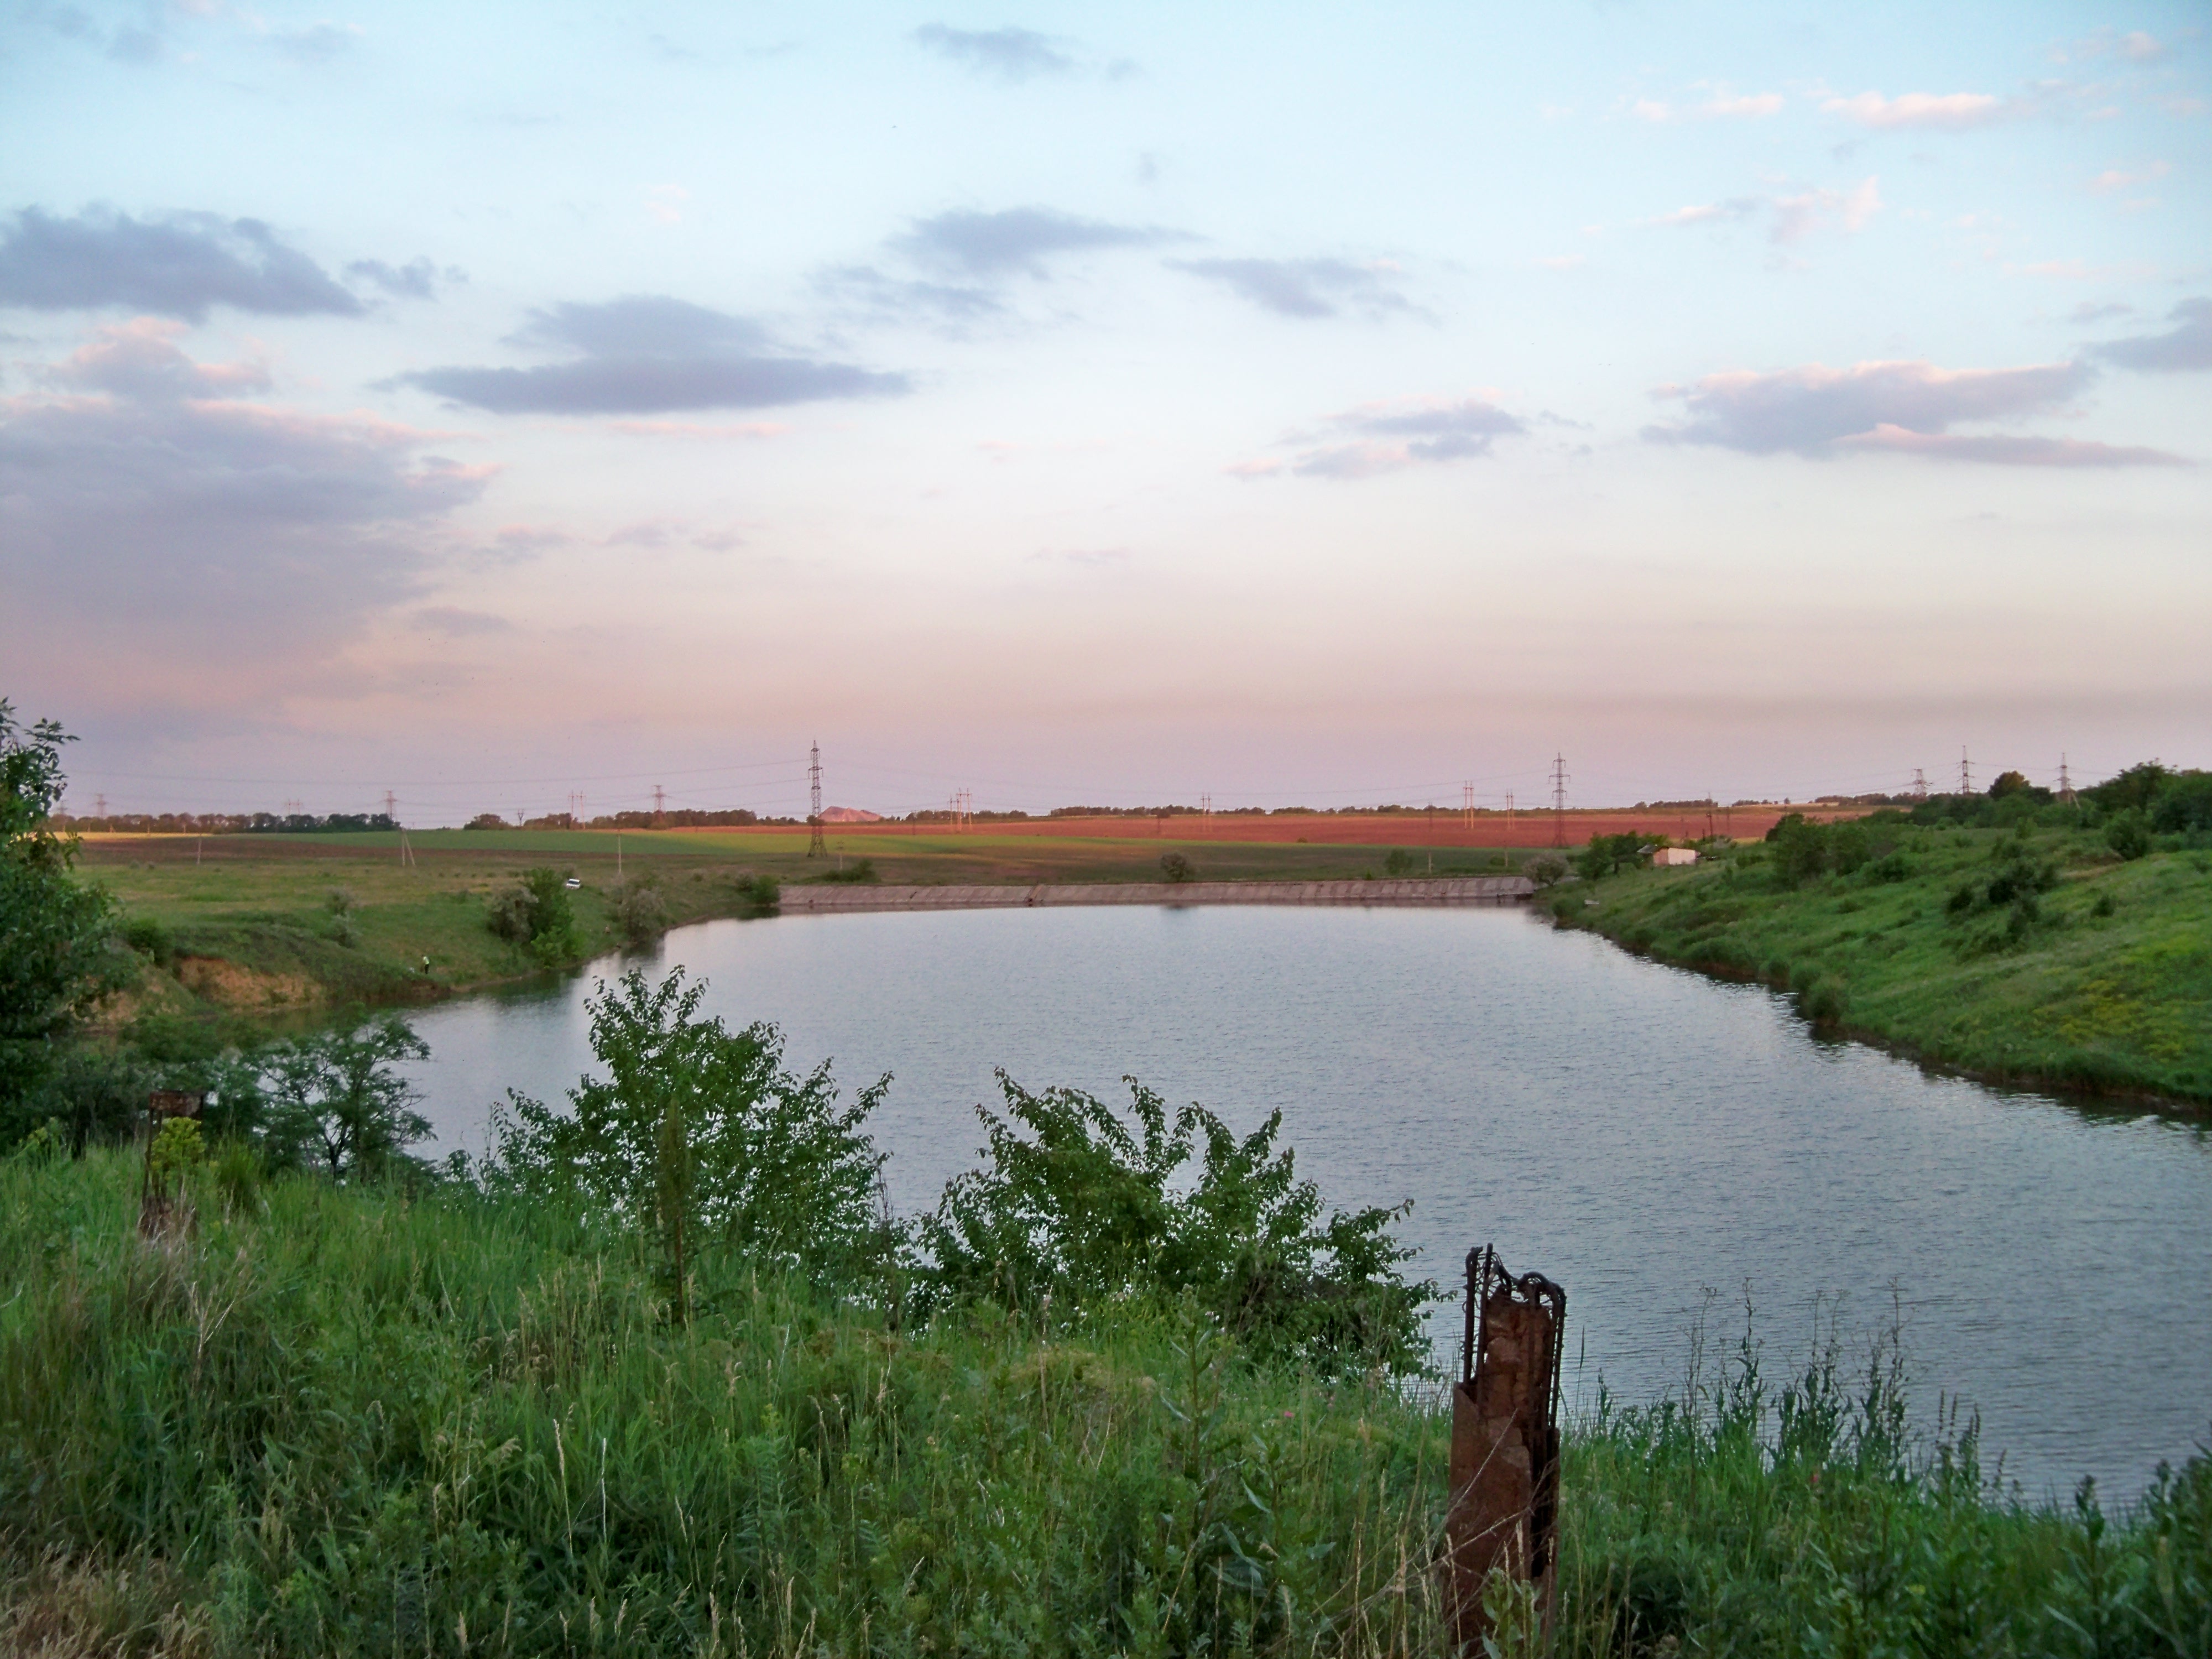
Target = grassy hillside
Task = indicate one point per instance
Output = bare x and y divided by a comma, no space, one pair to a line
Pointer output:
2031,956
346,1420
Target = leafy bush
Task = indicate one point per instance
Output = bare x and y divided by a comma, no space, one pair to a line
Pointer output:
1607,854
1547,870
641,909
2127,833
1397,863
1079,1207
2184,804
859,870
536,915
1178,868
703,1147
758,894
333,1102
1804,849
96,1092
150,937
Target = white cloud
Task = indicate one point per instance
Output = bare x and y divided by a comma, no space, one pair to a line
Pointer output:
1756,107
2113,179
1793,217
1796,216
1952,111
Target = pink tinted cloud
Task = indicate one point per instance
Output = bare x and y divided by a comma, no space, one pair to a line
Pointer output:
1906,408
2006,449
700,429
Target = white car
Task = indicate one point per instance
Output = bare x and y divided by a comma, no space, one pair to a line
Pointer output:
574,882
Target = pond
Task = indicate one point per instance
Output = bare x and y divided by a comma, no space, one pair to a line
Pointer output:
1657,1142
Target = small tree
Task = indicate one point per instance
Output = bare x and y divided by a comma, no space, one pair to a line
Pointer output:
333,1100
1175,867
536,913
700,1144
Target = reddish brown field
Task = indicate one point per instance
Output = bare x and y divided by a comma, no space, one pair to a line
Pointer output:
1440,828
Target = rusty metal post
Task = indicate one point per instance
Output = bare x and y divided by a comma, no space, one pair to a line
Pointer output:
1504,1513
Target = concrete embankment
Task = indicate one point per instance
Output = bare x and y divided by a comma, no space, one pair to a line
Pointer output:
1465,890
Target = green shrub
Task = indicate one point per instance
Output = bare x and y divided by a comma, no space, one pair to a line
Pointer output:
2127,834
1823,1001
536,915
641,909
150,937
1399,862
859,870
758,894
1077,1208
1178,868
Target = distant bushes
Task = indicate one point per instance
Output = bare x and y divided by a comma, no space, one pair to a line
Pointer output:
536,913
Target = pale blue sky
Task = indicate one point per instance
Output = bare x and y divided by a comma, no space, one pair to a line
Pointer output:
1102,404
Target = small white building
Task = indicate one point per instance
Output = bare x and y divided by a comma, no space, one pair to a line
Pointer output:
1667,855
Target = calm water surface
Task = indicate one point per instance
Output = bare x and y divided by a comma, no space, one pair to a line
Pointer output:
1643,1136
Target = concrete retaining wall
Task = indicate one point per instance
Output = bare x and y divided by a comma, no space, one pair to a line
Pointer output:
1466,889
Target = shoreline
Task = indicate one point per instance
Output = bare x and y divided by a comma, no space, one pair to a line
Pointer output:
841,898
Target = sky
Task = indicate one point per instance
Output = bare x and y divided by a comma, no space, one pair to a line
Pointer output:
502,404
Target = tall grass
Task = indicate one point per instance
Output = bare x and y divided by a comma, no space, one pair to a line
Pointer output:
348,1421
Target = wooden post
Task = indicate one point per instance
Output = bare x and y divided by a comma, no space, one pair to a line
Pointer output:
1504,1505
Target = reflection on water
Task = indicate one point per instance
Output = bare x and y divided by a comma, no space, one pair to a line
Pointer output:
1640,1134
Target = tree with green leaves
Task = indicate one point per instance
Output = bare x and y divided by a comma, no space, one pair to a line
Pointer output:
56,955
332,1099
703,1145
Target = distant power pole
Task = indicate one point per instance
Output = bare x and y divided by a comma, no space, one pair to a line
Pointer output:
1919,783
99,806
1965,772
659,806
815,847
2065,782
1509,817
1205,813
392,807
1558,800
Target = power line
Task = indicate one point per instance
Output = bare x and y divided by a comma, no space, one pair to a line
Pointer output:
815,847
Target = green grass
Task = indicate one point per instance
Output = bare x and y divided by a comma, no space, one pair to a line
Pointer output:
352,1421
2108,988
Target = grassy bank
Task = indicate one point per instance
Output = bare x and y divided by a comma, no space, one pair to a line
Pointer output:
345,1420
273,923
2032,956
